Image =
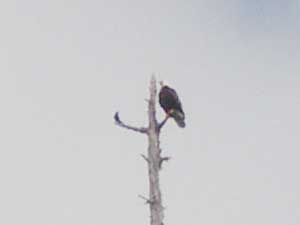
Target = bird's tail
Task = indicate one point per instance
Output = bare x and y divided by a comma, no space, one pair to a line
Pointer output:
180,122
179,118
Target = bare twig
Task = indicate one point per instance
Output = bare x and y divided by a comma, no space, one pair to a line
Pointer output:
162,159
145,157
121,124
162,123
148,201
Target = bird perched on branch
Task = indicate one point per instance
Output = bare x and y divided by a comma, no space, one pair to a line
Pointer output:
169,101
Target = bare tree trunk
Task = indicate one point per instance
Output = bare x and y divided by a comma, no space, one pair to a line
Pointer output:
154,162
154,159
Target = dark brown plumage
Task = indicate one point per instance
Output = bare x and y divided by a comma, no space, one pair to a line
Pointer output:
169,101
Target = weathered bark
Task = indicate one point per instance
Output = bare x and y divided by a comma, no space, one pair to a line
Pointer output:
154,159
154,163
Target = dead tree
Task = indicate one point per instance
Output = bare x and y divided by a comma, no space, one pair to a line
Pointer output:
154,158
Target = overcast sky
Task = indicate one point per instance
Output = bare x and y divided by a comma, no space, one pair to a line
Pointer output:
67,66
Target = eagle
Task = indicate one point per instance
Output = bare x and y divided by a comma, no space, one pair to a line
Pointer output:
169,101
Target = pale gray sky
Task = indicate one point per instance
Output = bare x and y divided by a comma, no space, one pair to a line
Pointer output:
67,66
